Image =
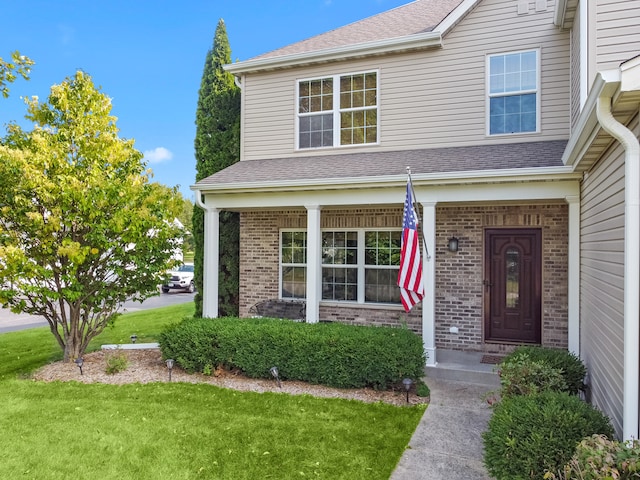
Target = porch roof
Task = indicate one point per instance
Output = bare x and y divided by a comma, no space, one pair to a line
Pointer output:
318,169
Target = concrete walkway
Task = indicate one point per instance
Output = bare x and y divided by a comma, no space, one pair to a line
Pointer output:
447,443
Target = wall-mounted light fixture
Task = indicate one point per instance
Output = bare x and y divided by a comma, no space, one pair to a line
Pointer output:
452,246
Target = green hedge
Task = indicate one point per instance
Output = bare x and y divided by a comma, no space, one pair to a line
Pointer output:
332,354
531,434
529,369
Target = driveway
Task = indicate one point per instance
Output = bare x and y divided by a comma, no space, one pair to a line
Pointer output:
10,322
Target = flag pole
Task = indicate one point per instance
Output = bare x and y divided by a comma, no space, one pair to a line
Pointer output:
421,232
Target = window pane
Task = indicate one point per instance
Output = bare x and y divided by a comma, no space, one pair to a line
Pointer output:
294,283
380,286
313,130
512,261
339,284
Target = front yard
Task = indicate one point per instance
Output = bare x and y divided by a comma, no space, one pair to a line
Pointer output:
176,430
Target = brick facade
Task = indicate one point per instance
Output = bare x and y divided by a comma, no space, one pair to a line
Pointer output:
459,276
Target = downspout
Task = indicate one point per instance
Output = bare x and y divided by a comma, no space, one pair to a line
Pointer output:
631,378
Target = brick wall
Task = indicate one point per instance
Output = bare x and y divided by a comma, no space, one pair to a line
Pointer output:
459,276
459,289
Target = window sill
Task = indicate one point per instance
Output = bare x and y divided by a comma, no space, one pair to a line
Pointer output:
367,306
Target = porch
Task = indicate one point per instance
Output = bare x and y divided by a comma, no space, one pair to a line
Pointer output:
464,367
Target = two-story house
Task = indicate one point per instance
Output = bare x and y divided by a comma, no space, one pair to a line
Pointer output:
491,105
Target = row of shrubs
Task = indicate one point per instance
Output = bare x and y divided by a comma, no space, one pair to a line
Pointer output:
541,429
332,354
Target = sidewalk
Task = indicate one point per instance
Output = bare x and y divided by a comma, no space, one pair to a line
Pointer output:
447,443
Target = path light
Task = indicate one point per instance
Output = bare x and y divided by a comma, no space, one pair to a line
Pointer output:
407,382
134,337
169,363
79,362
274,373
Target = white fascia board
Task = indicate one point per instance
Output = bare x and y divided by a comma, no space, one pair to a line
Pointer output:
455,16
409,42
606,82
630,75
394,195
559,13
520,175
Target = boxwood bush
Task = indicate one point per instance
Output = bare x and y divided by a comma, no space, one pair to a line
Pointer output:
532,369
531,434
332,354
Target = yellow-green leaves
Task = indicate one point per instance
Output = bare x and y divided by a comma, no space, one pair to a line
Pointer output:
79,219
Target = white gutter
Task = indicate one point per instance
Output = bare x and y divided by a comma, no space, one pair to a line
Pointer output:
631,265
409,42
559,13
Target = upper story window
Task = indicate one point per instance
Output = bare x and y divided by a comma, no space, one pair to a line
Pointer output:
513,92
338,110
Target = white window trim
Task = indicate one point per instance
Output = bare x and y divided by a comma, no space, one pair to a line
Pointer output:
489,95
336,110
361,267
281,264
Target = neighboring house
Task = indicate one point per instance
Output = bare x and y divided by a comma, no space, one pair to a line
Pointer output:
492,105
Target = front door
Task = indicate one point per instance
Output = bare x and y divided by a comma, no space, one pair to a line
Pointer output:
512,285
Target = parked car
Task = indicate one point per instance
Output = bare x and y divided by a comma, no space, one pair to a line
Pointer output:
180,279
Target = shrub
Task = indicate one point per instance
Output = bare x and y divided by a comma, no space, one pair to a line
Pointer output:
423,390
333,354
522,376
116,362
597,457
571,367
528,435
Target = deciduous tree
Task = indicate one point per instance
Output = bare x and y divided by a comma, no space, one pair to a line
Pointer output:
82,227
9,71
217,145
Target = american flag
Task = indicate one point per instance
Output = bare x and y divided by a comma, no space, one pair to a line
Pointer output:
410,275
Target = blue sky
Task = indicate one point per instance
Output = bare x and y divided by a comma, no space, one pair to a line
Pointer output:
148,57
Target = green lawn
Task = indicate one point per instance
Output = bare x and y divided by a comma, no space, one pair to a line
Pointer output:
181,431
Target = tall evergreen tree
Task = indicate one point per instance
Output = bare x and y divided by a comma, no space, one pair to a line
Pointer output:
217,145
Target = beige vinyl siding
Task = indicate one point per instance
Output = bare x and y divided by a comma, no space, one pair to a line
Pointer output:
433,98
602,282
617,32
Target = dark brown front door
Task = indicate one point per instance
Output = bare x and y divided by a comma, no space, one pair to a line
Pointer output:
512,285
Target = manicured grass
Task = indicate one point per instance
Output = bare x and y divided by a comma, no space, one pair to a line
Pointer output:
182,431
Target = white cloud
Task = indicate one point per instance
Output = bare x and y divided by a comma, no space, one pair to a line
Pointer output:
158,155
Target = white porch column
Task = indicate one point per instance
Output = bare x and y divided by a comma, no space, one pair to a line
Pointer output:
314,262
211,262
573,277
429,279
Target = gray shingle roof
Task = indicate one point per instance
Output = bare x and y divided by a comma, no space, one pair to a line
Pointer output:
377,164
416,17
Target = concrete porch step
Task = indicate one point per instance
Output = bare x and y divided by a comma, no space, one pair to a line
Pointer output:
463,367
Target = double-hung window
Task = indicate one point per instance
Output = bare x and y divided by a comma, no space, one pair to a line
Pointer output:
338,110
513,92
357,265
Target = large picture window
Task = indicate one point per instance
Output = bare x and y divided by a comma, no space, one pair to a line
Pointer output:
338,110
357,265
513,92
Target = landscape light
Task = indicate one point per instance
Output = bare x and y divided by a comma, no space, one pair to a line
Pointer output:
407,382
79,362
274,373
134,337
169,363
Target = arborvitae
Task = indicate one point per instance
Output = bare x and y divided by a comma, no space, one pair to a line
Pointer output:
217,145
